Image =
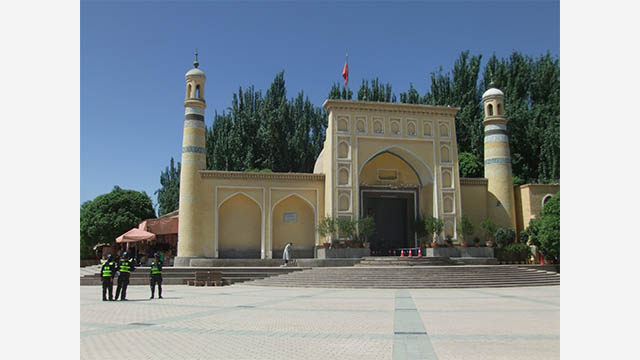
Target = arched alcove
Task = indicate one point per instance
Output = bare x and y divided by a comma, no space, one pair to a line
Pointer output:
240,227
343,177
444,154
293,220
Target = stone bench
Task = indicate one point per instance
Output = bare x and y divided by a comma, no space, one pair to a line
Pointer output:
208,278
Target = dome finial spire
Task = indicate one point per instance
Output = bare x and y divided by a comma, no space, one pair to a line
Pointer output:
195,62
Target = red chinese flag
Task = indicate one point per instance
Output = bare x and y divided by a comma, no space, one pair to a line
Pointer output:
345,72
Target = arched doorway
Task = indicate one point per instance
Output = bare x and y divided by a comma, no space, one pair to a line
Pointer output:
390,193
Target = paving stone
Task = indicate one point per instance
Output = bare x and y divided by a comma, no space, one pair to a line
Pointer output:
253,322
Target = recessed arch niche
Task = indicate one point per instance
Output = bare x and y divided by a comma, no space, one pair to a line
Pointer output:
240,227
293,220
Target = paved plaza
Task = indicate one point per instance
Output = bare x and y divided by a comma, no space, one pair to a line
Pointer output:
250,322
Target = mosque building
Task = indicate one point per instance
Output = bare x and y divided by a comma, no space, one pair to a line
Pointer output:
395,162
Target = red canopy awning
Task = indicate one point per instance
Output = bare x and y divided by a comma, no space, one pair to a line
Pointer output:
134,235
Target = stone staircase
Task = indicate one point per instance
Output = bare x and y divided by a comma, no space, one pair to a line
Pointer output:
423,261
180,275
416,277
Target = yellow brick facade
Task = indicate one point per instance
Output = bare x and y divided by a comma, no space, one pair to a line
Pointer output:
402,150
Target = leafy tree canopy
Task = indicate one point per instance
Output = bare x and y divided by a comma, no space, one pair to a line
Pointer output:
544,232
111,215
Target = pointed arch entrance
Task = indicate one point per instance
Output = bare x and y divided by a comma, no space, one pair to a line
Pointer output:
390,188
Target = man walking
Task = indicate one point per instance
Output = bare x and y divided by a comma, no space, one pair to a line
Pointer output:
107,272
286,254
155,275
125,267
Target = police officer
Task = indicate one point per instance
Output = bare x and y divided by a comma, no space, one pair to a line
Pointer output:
155,275
125,267
108,271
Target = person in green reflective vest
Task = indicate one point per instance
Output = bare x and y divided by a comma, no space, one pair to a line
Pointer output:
125,267
108,271
155,275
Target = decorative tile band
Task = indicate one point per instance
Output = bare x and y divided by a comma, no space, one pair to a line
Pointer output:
496,138
194,110
193,149
497,161
496,127
194,117
194,124
495,132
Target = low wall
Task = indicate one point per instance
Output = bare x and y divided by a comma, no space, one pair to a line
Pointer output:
461,252
89,262
349,253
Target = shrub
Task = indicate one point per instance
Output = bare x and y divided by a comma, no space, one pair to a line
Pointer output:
465,227
505,236
545,231
366,228
433,225
513,252
489,228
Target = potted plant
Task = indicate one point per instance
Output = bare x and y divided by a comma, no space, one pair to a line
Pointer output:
418,227
449,241
366,229
476,241
434,226
489,228
327,229
465,227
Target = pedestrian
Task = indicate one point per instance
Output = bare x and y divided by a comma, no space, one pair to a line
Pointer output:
125,267
286,254
108,271
155,275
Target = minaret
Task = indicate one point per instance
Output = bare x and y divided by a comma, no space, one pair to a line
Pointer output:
497,161
190,239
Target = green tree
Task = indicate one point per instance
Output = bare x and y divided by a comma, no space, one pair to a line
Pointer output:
111,215
470,166
544,232
169,193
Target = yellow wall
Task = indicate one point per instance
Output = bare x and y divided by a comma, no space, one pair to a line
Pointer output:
301,231
531,196
474,203
266,190
240,221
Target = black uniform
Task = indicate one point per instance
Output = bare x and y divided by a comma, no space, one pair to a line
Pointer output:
108,271
125,267
155,276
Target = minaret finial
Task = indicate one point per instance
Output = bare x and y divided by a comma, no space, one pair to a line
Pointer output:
195,62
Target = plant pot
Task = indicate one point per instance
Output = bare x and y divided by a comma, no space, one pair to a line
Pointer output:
489,243
464,244
366,245
327,245
476,244
434,245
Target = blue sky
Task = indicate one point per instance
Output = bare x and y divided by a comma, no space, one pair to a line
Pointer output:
133,57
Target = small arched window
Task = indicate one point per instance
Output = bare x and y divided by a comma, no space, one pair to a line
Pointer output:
490,110
197,92
499,109
189,91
